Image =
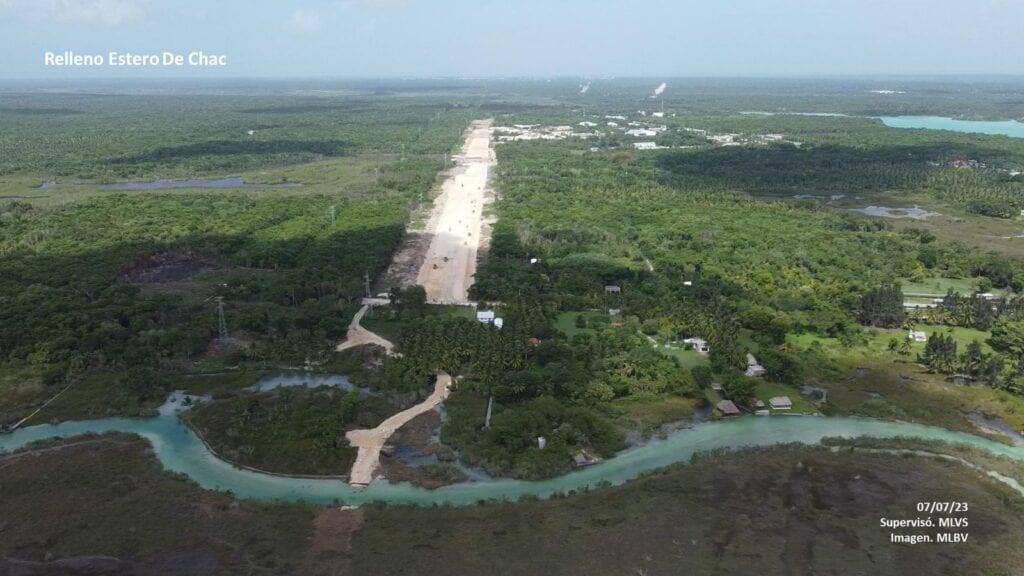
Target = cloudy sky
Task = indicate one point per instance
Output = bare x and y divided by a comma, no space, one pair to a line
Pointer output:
380,38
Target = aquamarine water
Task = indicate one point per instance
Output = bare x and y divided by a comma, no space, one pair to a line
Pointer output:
1010,128
179,450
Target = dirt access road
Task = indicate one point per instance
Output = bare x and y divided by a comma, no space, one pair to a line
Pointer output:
359,336
457,221
369,442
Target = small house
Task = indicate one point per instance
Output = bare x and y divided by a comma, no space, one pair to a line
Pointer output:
485,316
698,344
499,322
781,403
727,408
645,145
917,336
612,289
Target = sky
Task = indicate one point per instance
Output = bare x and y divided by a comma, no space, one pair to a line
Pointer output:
516,38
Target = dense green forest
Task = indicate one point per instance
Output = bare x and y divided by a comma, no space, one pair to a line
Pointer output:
696,244
294,430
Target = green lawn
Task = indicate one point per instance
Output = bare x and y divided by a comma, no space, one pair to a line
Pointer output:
940,286
566,322
687,358
647,413
767,390
877,342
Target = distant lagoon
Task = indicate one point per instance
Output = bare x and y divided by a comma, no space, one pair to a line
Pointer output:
1011,128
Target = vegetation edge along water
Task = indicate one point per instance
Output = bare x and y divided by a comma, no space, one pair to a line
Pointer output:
181,451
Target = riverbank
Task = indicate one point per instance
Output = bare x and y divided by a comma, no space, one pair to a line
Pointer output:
180,450
789,508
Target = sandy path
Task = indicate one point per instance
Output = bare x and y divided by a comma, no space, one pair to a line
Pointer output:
369,442
359,336
457,222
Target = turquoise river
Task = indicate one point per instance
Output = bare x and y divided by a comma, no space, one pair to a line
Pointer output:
180,450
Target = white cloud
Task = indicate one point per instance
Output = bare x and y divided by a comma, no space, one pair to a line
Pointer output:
304,22
96,12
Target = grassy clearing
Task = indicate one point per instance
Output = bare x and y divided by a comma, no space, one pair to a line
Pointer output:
864,384
869,380
567,322
982,232
767,390
687,358
648,413
876,341
938,287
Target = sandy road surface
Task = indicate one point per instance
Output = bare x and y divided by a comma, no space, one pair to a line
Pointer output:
450,263
359,336
369,442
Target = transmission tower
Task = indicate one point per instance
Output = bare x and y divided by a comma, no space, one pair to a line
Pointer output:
222,325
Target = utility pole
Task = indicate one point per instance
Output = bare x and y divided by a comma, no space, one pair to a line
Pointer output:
332,214
366,278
